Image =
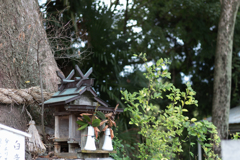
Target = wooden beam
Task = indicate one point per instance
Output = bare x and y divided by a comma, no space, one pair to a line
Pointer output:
72,128
59,74
67,155
79,71
71,133
92,91
70,75
57,147
88,73
85,108
61,113
56,133
60,139
101,101
86,82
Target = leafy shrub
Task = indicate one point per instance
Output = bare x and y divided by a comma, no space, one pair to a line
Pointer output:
163,129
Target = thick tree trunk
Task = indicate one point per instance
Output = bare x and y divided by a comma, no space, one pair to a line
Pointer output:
223,68
22,37
23,43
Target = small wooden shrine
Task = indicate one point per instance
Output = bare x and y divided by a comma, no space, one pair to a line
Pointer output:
75,96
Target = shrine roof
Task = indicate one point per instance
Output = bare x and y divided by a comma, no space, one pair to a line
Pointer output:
70,90
58,100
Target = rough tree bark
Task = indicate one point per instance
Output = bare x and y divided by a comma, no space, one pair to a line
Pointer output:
22,38
223,68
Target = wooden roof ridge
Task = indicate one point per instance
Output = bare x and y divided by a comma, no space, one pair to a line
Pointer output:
80,81
70,90
77,95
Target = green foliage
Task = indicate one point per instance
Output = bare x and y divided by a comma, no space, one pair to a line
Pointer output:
87,118
83,127
162,129
96,122
236,136
184,31
84,123
101,115
120,148
100,28
81,123
89,121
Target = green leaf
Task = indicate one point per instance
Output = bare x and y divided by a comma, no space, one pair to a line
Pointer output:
87,118
182,103
82,127
184,110
193,119
192,93
81,123
208,145
191,154
101,115
96,122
